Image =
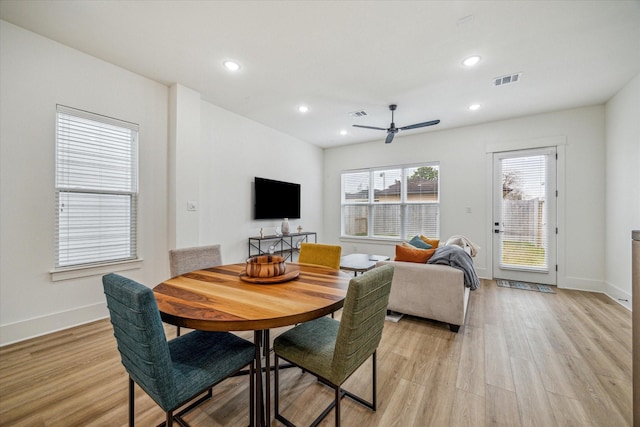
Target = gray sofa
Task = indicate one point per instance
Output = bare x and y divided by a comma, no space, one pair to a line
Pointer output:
431,291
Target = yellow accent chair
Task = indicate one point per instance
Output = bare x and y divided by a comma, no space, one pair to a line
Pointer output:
320,254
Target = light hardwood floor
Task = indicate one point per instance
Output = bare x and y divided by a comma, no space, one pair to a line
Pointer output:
522,359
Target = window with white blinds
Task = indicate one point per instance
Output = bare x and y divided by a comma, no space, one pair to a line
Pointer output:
525,239
96,188
396,202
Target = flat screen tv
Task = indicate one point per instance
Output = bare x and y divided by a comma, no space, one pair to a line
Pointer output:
276,199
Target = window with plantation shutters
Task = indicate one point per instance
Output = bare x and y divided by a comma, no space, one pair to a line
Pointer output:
96,188
396,202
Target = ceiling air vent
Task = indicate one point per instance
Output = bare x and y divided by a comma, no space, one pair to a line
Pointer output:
360,113
508,79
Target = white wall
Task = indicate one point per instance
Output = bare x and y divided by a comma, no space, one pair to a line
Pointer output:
235,150
35,75
622,187
465,180
214,155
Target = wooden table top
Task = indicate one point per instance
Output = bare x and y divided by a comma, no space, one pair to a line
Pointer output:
216,299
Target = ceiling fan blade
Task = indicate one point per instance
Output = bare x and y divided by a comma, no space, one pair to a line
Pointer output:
369,127
389,137
420,125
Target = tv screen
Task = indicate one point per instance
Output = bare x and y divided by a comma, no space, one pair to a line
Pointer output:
276,199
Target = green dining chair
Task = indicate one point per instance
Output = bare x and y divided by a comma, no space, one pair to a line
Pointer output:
333,350
176,372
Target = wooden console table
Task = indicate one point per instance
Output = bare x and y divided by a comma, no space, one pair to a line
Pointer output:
284,245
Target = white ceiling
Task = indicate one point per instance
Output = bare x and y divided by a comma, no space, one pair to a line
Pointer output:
343,56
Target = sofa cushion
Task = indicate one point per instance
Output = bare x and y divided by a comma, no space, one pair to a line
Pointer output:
429,241
407,254
419,243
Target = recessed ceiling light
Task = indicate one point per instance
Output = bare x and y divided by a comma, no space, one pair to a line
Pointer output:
231,65
303,108
471,61
474,107
343,132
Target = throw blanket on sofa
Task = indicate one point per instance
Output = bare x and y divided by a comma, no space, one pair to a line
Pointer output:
464,243
456,257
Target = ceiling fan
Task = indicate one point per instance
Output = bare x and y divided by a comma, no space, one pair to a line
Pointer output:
392,129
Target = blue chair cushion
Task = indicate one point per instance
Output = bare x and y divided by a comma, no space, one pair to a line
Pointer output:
201,359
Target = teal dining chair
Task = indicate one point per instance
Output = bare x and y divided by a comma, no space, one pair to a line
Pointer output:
176,372
333,350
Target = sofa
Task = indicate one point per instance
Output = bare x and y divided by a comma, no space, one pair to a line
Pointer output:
431,291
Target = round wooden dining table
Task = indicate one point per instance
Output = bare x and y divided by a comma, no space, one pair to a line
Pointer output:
218,299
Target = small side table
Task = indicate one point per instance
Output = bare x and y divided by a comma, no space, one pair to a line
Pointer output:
359,263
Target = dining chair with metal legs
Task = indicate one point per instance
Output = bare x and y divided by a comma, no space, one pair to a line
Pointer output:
176,372
333,350
185,260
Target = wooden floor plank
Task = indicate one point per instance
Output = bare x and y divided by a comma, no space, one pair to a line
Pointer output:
501,408
533,403
569,411
522,358
471,376
497,361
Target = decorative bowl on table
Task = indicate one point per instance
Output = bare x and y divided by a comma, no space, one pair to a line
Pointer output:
265,266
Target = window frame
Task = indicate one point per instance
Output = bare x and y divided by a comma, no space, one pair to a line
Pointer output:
127,256
404,203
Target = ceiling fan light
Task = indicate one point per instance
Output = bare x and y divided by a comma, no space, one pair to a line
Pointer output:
471,61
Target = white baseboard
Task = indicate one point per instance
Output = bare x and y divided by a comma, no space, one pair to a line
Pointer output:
31,328
618,295
581,284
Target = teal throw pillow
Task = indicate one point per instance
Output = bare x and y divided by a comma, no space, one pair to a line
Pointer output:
419,243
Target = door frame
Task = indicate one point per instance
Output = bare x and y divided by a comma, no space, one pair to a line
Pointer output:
559,142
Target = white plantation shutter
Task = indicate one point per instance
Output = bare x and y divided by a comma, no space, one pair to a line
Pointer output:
391,203
525,240
96,188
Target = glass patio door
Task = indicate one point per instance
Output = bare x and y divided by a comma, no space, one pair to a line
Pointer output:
524,218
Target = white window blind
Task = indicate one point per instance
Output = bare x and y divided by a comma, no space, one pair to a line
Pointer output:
525,239
96,188
394,203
